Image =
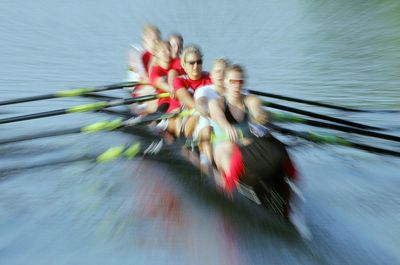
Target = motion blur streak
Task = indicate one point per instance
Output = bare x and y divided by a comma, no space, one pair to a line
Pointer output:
145,212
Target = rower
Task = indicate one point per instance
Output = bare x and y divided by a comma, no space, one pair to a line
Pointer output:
163,73
151,35
140,57
202,132
185,86
258,160
204,94
176,42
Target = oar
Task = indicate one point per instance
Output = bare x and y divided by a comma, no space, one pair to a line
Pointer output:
69,93
309,102
6,112
92,128
333,139
122,151
99,96
127,151
98,127
319,116
287,117
84,108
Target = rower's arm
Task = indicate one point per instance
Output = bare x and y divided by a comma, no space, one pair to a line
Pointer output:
185,98
217,114
202,105
172,74
151,63
161,84
257,114
158,80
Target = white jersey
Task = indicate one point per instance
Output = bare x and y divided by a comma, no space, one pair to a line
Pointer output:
136,68
206,91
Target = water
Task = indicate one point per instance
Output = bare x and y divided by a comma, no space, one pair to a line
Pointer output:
60,212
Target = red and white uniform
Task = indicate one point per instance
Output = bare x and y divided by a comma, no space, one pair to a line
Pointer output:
191,85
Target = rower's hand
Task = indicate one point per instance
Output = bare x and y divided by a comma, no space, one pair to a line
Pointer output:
172,94
200,109
231,132
259,117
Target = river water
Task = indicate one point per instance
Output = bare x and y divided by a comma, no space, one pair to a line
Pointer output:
59,207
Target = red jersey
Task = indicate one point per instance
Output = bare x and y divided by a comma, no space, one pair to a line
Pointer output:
176,64
146,57
191,85
157,71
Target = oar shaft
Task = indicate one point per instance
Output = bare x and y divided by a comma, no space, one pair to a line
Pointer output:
99,96
40,135
33,116
68,93
319,116
332,139
309,102
83,108
96,127
27,99
296,119
91,128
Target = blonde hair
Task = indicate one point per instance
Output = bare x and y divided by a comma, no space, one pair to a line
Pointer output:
190,49
235,68
160,44
176,36
221,60
158,47
149,28
179,38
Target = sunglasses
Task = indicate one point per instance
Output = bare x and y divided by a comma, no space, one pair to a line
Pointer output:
236,81
198,62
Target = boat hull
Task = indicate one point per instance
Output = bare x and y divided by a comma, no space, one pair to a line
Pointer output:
280,196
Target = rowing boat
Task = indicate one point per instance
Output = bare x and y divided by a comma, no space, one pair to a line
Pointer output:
282,198
276,193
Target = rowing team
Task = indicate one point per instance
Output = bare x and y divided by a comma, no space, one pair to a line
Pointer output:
228,125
